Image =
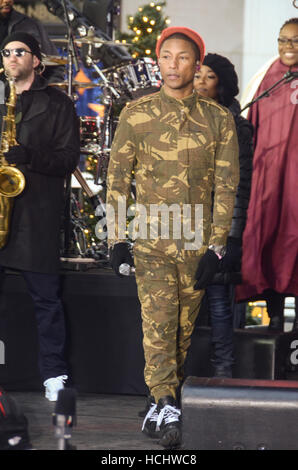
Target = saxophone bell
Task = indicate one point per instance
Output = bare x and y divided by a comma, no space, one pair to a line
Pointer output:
12,181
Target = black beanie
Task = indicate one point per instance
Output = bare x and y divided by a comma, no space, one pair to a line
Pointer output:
228,79
27,39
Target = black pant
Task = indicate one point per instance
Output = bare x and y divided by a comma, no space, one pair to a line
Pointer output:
44,290
221,324
276,302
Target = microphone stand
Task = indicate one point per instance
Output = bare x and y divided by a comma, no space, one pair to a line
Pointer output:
287,77
71,51
72,61
110,22
107,129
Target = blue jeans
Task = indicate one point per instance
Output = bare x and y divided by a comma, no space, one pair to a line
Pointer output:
44,291
221,317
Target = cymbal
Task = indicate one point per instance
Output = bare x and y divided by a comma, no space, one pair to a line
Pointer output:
53,60
94,40
90,40
75,84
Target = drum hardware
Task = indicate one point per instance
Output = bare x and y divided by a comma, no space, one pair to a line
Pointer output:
95,199
72,54
72,61
118,84
79,226
89,132
91,150
89,177
75,84
94,41
134,76
54,60
102,166
106,82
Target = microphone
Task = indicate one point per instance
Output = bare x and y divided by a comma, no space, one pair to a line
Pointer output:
64,417
289,76
125,269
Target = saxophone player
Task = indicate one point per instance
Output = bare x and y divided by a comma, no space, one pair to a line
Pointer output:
47,151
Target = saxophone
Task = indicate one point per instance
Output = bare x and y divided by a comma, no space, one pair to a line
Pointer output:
12,180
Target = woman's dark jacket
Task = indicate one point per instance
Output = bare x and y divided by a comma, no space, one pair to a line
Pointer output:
245,138
48,126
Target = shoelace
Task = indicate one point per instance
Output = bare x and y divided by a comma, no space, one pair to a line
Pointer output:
63,378
58,380
152,414
169,414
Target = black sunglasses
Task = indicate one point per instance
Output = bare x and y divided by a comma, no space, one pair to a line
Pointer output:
18,52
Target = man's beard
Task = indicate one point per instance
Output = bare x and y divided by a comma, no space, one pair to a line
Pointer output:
6,14
19,75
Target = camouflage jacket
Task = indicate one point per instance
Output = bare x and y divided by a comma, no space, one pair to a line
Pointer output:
180,152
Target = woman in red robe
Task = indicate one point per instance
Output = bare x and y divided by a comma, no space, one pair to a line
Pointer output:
270,239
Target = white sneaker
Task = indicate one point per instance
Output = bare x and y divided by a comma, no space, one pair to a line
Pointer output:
53,385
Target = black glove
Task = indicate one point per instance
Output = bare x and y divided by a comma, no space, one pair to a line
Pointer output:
207,267
231,262
17,154
120,254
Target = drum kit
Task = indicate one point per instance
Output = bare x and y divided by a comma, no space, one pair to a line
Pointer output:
116,86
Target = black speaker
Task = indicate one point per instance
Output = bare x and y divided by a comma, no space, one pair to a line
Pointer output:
104,346
259,354
239,414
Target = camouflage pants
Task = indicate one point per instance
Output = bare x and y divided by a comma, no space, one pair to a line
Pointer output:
169,309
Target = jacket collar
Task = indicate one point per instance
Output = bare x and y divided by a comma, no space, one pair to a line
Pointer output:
15,17
33,103
187,102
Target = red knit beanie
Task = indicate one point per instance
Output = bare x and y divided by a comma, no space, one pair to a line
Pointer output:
190,33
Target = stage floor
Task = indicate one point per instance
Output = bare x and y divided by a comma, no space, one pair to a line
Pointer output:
104,422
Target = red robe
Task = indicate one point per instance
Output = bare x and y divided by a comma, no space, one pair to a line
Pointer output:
270,239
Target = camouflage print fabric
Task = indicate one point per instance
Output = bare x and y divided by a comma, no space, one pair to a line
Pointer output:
180,152
170,306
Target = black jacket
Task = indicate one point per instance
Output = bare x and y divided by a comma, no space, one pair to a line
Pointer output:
245,139
49,127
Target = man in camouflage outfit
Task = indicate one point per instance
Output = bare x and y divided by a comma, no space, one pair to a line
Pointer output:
182,150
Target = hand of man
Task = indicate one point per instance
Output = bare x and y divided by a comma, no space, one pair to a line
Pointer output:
231,262
17,154
120,254
207,267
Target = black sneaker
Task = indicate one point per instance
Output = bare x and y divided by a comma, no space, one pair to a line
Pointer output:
276,324
150,421
149,400
168,423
